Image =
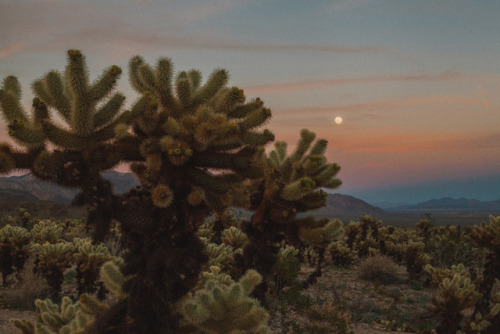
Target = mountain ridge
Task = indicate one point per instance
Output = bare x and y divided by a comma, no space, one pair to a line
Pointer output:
29,188
449,203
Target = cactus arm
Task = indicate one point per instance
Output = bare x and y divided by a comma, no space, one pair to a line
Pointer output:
64,138
257,139
105,84
216,81
184,89
255,119
11,84
11,107
135,79
81,121
163,79
194,77
51,90
28,137
109,110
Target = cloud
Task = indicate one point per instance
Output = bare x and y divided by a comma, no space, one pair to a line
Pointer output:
55,24
411,142
11,49
385,105
312,84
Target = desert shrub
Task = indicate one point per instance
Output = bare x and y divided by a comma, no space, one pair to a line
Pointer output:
27,289
379,268
450,245
327,318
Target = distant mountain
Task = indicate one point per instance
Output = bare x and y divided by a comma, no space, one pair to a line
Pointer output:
447,203
11,195
342,206
390,205
21,187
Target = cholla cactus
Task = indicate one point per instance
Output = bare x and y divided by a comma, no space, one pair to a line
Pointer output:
234,237
46,231
214,274
91,120
221,308
14,250
291,185
488,236
341,255
221,255
454,295
176,135
55,319
88,259
69,317
287,268
24,130
52,262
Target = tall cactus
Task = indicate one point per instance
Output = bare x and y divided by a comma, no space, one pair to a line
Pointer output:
191,144
291,185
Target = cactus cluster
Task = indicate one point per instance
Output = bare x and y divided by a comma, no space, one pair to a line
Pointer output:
52,262
197,148
191,145
14,250
461,288
292,184
227,308
55,319
89,258
72,317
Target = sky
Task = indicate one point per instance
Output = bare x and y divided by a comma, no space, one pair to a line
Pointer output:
416,83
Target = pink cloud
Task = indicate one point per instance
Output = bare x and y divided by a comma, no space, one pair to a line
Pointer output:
311,84
386,105
411,142
11,49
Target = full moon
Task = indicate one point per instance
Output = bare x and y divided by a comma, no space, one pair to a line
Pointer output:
338,120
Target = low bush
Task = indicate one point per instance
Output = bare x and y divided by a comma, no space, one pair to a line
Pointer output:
30,287
379,268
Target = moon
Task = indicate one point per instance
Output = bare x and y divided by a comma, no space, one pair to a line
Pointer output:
338,120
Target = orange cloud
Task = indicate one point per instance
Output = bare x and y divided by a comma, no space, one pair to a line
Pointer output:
418,142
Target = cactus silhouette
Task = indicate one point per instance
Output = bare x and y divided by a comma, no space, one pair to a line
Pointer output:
191,145
291,185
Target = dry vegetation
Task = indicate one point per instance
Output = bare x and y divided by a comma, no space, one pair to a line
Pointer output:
340,302
379,285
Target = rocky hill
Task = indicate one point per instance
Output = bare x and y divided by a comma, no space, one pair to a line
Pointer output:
28,187
346,206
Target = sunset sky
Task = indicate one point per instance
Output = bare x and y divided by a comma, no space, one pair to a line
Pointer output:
417,83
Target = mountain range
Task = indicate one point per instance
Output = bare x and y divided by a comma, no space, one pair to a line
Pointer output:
28,188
